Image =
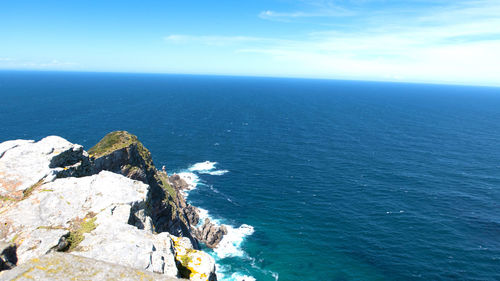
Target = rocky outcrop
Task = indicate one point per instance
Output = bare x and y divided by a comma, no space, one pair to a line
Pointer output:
57,199
25,164
121,152
63,267
210,234
178,183
196,265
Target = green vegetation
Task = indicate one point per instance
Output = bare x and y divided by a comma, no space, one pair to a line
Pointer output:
163,178
28,191
76,235
13,240
111,142
6,198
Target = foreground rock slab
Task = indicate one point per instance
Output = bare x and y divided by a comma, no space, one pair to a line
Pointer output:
25,164
59,266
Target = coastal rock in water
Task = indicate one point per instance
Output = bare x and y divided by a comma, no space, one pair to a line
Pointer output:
192,214
25,164
177,182
62,267
210,233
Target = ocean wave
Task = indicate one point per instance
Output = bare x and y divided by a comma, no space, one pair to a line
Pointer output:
240,277
191,179
207,167
203,166
230,245
217,173
224,274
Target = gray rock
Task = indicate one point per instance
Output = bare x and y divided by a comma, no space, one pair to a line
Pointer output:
59,267
43,218
211,234
117,242
177,182
39,242
122,152
26,164
55,205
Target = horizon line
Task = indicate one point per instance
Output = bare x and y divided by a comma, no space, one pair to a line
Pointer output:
259,76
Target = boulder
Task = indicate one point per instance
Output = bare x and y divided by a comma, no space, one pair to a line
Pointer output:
25,164
210,234
177,182
193,264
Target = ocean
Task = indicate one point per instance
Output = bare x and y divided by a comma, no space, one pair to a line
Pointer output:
318,179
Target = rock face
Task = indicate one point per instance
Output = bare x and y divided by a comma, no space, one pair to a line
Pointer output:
24,164
112,208
121,152
210,233
198,265
62,267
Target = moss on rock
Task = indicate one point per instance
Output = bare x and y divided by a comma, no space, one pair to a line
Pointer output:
118,140
79,228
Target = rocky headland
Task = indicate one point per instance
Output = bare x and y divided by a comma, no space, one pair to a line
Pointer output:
106,213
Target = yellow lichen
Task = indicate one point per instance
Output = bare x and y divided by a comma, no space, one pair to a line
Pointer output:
189,259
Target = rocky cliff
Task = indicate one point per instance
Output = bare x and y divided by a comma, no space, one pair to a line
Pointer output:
109,206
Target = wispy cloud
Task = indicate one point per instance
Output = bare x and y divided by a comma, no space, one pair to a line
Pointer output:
212,40
41,64
456,43
287,16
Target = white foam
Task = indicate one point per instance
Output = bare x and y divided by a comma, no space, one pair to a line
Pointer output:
230,245
217,173
239,277
203,166
207,167
222,271
191,179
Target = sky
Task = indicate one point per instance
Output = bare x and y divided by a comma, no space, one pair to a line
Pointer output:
452,42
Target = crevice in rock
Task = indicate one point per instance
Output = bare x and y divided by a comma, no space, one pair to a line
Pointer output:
8,256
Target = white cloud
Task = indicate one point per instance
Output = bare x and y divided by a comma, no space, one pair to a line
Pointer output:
212,40
453,44
287,16
40,64
457,44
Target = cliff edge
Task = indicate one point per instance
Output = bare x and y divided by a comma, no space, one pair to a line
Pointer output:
108,206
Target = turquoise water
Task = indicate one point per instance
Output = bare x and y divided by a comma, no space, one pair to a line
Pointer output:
339,180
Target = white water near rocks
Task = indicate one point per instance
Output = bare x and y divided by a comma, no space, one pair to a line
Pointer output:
231,243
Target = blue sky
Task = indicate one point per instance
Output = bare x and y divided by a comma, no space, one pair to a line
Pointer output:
414,41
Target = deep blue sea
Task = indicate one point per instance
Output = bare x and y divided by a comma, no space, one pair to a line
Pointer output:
331,180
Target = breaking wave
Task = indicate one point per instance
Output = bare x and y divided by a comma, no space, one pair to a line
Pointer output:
231,244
